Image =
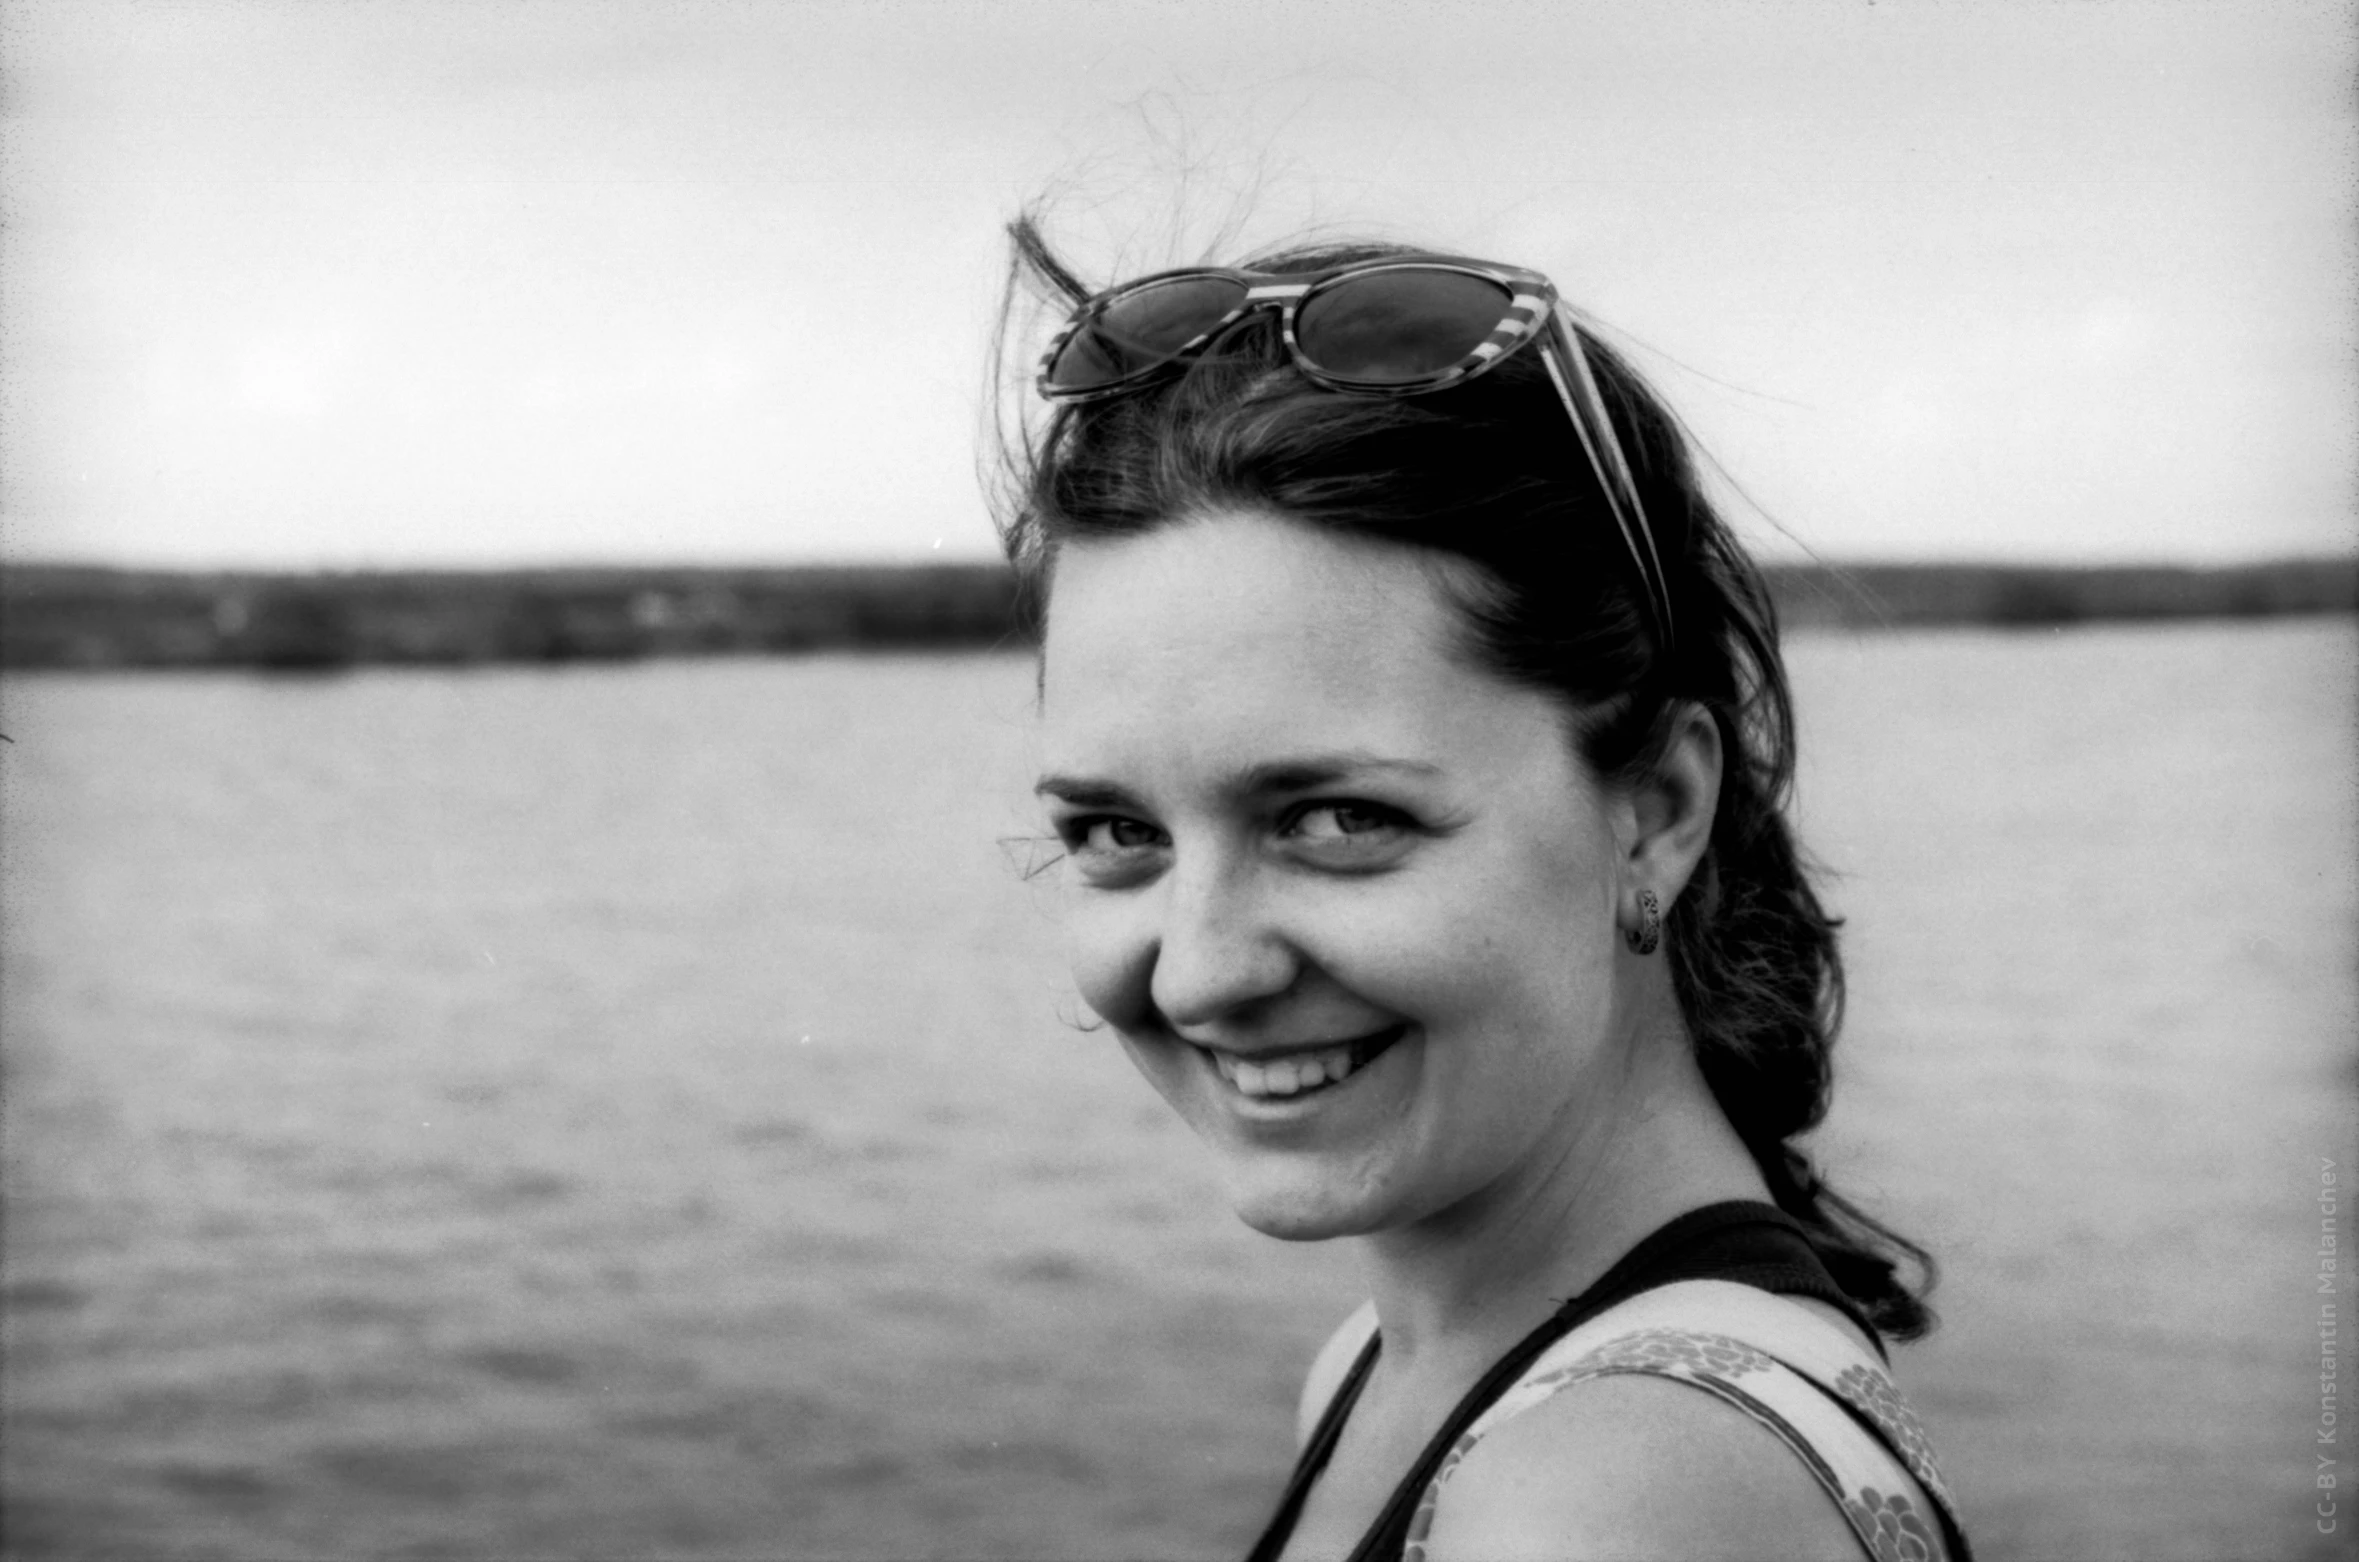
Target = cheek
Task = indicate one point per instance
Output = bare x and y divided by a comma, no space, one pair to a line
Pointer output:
1459,975
1105,955
1526,947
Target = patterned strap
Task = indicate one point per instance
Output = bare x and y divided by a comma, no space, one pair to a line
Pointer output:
1807,1381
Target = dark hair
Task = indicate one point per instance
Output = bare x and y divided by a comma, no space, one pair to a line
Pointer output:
1490,473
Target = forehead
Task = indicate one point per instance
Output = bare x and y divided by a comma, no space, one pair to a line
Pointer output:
1238,634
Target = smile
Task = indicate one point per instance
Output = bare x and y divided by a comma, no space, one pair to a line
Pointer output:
1302,1072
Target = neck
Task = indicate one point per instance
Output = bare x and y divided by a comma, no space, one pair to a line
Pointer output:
1456,1290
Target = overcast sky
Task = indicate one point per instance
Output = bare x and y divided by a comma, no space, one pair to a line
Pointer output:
392,283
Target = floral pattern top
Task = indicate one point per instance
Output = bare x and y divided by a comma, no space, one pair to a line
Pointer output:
1806,1381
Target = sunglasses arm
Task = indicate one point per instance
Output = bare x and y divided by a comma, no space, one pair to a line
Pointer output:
1568,370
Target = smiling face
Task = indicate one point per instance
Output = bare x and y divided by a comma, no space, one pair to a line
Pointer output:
1347,899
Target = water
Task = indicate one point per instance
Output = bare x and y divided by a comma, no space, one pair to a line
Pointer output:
634,1111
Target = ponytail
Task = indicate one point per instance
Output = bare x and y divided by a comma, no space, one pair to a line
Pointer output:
1753,953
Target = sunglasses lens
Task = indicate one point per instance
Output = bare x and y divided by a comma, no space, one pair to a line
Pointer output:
1397,327
1142,328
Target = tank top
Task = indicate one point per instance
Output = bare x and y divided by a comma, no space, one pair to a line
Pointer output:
1741,1243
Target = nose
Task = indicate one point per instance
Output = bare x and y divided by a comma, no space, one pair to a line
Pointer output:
1219,954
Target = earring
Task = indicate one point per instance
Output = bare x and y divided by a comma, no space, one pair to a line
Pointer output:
1645,938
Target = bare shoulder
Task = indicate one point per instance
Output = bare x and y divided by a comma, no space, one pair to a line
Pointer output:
1329,1368
1633,1466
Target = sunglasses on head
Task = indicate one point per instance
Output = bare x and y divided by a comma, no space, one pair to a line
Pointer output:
1399,325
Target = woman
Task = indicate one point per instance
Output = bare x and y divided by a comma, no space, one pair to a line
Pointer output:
1418,739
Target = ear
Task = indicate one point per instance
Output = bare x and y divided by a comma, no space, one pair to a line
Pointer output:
1671,809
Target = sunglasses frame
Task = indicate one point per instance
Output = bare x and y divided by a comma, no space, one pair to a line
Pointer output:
1531,300
1533,312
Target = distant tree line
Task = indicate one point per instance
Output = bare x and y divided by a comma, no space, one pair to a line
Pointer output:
78,616
82,617
1864,596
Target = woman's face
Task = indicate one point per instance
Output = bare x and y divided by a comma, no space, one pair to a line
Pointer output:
1348,900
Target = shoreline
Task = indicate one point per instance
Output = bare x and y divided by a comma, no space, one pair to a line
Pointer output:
86,616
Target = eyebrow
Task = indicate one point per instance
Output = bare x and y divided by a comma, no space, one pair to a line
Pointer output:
1083,793
1300,773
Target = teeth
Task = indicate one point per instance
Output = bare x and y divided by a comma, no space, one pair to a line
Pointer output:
1286,1076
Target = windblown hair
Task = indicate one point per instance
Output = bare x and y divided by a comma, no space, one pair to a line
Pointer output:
1489,473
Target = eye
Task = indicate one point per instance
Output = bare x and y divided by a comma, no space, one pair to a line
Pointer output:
1109,848
1328,820
1108,833
1353,830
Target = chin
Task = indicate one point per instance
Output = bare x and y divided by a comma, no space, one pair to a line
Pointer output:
1296,1209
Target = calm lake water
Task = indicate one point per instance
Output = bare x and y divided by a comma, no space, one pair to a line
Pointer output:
634,1112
